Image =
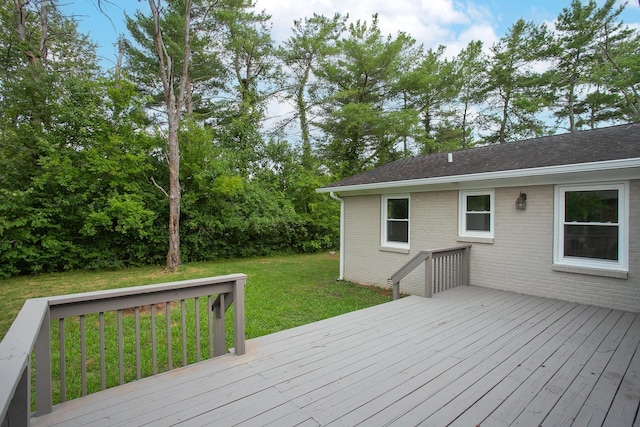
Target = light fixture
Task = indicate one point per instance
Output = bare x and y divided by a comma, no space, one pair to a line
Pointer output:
521,203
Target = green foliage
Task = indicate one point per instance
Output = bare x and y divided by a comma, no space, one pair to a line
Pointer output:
361,121
517,92
83,158
229,215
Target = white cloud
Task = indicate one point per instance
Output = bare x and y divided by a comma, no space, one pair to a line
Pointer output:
430,22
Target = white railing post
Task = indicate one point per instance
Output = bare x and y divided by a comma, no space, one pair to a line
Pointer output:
219,337
238,316
18,413
428,276
466,260
43,367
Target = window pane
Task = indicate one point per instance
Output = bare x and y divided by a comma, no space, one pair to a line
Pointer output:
480,203
478,222
398,208
591,241
591,206
398,231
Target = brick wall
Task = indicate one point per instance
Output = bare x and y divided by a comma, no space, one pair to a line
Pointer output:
519,259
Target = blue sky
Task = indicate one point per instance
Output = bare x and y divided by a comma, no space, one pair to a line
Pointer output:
432,22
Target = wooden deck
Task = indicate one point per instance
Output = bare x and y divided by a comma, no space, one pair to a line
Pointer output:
465,357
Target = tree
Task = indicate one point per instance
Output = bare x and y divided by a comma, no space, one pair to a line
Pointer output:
362,116
165,39
516,92
589,38
431,88
72,157
248,53
620,49
313,40
175,88
470,68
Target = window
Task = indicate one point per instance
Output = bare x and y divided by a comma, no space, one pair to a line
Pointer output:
591,226
395,221
476,214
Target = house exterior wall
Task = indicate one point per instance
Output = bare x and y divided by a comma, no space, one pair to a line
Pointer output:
519,259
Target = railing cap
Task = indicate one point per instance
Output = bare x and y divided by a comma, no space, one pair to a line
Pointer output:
145,289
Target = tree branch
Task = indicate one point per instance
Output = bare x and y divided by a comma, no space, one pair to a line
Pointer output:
159,188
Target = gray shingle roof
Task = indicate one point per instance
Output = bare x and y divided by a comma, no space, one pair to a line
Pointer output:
610,143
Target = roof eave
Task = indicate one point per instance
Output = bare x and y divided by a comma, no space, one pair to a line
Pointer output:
534,176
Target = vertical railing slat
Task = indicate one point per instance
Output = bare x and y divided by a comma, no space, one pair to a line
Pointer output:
439,273
183,319
167,313
154,347
83,356
138,362
196,306
120,348
63,374
103,358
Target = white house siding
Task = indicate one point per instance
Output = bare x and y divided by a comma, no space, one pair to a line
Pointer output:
433,224
520,258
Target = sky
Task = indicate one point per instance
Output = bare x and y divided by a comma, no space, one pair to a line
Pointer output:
452,23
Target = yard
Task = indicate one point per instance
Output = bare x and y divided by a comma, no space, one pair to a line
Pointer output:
281,293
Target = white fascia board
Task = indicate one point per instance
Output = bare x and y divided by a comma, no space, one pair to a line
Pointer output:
615,169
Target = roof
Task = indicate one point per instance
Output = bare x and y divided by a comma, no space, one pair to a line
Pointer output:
597,149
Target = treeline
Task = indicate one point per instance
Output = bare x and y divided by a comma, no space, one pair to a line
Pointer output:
85,167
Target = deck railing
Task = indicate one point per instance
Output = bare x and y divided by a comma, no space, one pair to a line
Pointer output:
444,269
122,311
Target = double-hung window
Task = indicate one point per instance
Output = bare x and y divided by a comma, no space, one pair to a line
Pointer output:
591,226
395,221
476,216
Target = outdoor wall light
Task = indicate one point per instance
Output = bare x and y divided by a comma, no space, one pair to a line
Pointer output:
521,203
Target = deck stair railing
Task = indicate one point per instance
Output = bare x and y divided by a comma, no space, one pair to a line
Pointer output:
444,269
119,312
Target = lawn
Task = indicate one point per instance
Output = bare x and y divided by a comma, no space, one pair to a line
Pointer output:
282,292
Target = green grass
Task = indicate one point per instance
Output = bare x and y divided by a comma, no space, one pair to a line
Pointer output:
281,293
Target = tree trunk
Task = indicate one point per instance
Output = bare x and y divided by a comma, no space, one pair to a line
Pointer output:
307,156
174,104
173,254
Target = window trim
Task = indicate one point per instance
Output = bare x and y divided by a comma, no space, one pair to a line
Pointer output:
462,213
622,264
383,229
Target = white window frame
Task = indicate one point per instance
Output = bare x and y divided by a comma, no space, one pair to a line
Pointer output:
383,232
462,213
622,264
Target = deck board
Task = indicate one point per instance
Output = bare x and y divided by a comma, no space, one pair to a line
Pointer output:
467,356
